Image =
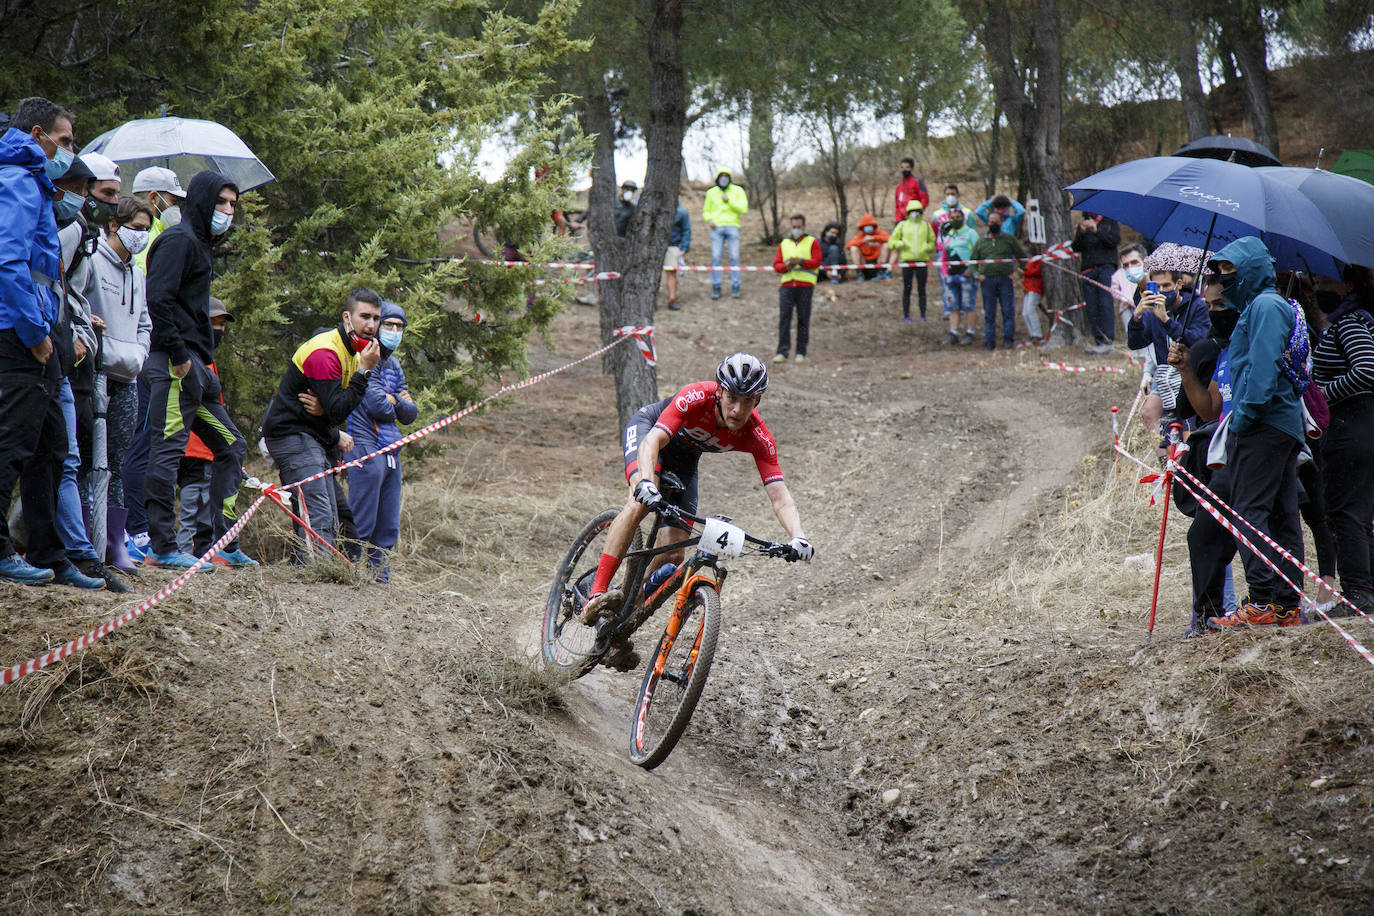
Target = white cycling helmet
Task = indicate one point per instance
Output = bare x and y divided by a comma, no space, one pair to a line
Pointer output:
743,374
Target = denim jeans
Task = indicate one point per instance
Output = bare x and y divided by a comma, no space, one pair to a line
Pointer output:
720,235
961,294
71,524
997,291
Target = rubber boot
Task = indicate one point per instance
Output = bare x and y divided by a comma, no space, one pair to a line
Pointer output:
116,552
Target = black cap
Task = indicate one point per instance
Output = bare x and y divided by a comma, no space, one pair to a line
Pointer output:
79,171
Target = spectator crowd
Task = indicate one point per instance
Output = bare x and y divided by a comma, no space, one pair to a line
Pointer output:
113,426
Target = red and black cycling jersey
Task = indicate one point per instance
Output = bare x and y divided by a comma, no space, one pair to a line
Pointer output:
690,419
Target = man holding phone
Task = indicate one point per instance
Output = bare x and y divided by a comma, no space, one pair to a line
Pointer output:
1162,314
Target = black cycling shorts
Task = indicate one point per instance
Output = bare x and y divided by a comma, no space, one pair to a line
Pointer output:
674,459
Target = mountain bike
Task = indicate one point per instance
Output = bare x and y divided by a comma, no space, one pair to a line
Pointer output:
681,662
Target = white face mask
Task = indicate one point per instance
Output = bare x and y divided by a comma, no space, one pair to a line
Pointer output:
220,222
914,216
951,201
133,240
627,196
797,233
722,182
170,216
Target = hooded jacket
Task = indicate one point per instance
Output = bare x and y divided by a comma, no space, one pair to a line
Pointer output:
912,241
30,269
180,267
118,296
1260,392
870,245
327,366
372,424
724,208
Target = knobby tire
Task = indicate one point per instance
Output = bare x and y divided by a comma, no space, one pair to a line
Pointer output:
666,702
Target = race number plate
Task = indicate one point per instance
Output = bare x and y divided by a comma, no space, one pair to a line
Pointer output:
721,539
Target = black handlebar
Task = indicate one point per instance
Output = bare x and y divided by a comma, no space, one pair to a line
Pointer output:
766,547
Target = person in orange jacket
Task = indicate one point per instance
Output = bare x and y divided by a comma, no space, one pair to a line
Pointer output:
869,248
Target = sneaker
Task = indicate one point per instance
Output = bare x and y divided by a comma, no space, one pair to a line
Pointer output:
174,559
673,305
69,575
906,319
835,281
98,570
1290,616
989,346
622,657
952,338
734,293
136,553
602,605
968,338
235,558
1197,629
923,319
715,292
16,569
779,357
801,358
219,560
1254,615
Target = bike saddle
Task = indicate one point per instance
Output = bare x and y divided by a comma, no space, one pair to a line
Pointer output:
670,486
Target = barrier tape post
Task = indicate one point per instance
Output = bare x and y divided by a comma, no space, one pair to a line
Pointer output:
1174,430
1116,441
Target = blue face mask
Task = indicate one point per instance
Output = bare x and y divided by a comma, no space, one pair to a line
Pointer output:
389,339
66,209
220,222
1135,274
57,166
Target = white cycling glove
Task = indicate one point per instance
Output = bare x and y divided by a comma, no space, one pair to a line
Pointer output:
802,548
647,494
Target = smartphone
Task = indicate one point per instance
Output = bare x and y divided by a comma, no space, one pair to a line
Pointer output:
1151,286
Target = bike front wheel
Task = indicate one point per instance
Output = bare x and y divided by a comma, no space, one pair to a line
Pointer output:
676,676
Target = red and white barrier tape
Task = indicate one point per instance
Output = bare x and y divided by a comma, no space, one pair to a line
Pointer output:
1062,367
437,425
15,672
643,338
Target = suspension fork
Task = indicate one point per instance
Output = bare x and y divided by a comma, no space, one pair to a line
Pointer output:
711,576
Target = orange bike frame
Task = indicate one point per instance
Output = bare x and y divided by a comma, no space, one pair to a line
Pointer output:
675,619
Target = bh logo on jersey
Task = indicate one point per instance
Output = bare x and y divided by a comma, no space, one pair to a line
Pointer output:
631,441
705,439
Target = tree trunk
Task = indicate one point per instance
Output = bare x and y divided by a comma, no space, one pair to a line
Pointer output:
638,258
1185,68
1035,119
1247,43
761,175
990,177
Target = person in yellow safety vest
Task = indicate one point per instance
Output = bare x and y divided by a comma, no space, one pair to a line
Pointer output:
798,260
913,239
725,204
158,188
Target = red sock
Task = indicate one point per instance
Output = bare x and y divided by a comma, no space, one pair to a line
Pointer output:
605,572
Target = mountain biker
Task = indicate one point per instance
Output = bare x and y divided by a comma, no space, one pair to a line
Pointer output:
670,435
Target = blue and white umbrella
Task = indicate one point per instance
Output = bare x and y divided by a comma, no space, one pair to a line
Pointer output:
184,145
1207,203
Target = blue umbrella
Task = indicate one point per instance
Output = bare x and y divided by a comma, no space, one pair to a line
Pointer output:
1348,203
1229,149
1207,203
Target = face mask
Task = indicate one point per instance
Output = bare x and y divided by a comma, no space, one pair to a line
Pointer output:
951,201
389,339
1328,300
220,222
68,207
57,166
869,230
914,216
797,233
100,212
171,216
1135,274
906,173
1228,288
956,224
135,240
217,334
627,196
1170,300
1223,322
994,228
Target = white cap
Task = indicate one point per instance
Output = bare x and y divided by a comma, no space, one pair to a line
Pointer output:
156,178
105,168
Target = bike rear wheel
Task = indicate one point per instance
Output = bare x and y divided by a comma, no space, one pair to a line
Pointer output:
676,676
567,643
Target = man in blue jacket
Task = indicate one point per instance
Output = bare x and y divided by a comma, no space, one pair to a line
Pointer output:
38,147
374,487
679,243
1266,431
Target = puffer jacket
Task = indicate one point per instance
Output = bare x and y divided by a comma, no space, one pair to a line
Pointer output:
372,424
117,295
